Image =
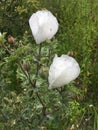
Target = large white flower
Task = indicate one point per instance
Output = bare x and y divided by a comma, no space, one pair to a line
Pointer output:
44,25
63,70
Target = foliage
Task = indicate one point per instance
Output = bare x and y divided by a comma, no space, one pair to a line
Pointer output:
26,101
14,15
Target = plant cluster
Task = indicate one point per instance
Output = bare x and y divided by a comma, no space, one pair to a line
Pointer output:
26,101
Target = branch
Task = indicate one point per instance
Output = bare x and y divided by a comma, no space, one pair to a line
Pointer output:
6,48
37,68
40,100
38,64
26,74
33,83
43,109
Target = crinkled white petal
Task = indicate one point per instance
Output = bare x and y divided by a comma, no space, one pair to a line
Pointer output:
63,70
44,25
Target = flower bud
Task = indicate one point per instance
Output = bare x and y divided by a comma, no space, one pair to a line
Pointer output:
70,53
11,39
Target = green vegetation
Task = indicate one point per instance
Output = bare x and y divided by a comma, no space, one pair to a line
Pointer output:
26,101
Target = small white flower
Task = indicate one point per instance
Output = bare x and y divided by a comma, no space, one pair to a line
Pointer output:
0,34
77,126
86,119
63,70
90,105
44,25
73,126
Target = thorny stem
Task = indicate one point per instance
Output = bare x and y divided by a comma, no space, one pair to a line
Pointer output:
36,75
40,99
37,69
43,109
38,64
34,81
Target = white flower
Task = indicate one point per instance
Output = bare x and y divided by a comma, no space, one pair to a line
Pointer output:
90,105
44,25
63,70
0,34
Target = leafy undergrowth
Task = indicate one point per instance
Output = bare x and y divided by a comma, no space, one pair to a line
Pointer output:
26,101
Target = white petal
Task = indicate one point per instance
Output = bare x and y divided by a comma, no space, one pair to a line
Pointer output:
44,25
63,70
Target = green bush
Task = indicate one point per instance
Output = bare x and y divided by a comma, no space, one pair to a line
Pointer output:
26,101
